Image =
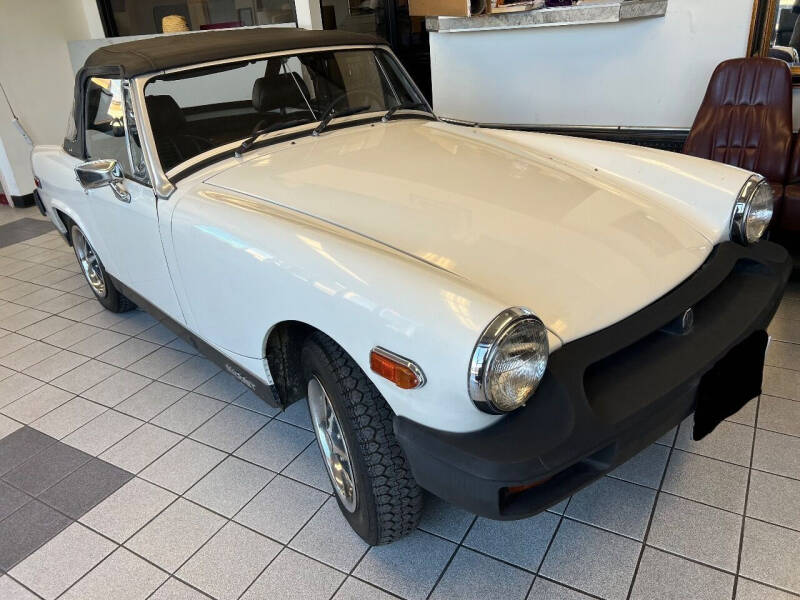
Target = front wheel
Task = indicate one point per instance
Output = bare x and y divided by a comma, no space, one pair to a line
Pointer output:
96,275
374,486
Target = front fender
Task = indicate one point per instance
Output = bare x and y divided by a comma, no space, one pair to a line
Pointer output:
702,192
246,265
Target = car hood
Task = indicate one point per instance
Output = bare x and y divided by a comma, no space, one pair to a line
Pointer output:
580,246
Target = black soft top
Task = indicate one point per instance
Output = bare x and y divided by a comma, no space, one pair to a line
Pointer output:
129,59
170,51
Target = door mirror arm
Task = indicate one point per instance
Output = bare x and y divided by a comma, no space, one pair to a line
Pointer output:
99,173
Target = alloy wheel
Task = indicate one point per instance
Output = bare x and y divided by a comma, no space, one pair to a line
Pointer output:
89,262
334,448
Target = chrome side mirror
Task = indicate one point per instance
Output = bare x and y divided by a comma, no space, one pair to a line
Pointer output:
99,173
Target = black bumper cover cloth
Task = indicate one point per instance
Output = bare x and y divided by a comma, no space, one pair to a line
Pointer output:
732,383
609,395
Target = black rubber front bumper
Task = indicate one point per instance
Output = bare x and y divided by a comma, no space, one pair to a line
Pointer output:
606,396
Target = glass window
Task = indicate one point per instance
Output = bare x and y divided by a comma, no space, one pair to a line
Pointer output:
784,32
138,166
105,126
72,130
194,111
139,17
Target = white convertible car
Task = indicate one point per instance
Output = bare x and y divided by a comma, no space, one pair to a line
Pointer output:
498,317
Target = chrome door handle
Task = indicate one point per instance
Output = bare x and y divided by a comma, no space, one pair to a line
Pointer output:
120,191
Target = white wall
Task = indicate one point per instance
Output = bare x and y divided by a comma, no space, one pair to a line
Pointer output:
647,73
36,74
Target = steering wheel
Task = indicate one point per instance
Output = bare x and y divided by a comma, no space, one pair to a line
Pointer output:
365,91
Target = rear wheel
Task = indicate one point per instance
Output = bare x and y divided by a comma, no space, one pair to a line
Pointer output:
95,274
374,486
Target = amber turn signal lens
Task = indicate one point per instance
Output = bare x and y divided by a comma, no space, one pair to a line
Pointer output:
396,369
517,489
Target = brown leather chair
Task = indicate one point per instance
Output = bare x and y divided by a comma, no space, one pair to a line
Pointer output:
788,217
746,119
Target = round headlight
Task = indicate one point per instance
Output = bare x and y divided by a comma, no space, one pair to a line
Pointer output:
508,362
753,211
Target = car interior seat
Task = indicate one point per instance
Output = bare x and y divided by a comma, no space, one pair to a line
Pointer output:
174,143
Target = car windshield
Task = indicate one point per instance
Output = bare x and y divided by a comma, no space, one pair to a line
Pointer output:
197,110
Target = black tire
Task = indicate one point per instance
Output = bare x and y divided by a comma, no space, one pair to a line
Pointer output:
112,299
389,501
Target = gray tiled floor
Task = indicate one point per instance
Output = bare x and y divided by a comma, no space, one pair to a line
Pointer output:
230,499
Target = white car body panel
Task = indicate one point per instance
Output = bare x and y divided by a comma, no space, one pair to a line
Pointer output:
699,190
246,265
497,212
411,235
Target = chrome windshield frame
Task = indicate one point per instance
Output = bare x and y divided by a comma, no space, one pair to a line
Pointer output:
162,181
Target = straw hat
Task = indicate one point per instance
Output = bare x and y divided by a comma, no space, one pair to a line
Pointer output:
173,23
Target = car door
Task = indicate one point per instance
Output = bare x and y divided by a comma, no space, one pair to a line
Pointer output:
126,217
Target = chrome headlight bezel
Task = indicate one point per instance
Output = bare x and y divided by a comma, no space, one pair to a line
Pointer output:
486,349
743,210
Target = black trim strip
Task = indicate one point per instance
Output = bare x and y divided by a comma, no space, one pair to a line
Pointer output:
265,391
660,138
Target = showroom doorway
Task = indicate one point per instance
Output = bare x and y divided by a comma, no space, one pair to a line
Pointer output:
390,20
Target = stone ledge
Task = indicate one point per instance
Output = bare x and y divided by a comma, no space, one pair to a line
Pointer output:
607,12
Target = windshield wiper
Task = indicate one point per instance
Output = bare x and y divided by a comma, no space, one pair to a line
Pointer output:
410,106
248,143
331,112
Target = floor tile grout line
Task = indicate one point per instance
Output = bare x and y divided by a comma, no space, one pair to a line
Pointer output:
568,586
117,548
771,586
596,526
167,580
84,575
691,560
652,515
791,435
231,454
737,464
515,566
36,496
80,394
68,349
183,437
193,390
269,419
228,455
103,535
562,515
228,519
549,545
781,398
264,570
746,500
773,395
536,572
304,483
142,421
21,584
287,544
189,500
452,556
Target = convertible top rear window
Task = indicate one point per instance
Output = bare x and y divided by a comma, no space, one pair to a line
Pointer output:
197,110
